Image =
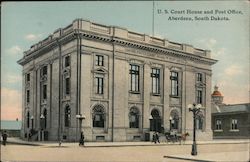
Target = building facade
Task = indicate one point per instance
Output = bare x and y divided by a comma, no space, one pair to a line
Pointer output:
124,83
229,121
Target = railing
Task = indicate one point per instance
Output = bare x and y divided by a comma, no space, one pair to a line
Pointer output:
100,28
157,41
200,52
175,45
136,36
68,29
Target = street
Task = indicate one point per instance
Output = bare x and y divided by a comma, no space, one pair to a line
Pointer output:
148,153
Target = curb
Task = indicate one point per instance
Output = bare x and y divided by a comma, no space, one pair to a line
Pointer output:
121,145
186,159
20,143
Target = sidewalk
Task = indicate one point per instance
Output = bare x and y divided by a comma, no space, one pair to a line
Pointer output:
119,144
241,156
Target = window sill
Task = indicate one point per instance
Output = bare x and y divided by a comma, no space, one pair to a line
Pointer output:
219,130
234,130
99,94
173,96
134,92
66,98
155,94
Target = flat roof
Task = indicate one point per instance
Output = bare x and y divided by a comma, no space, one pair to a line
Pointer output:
233,108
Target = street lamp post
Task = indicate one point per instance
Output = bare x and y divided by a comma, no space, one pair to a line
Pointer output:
42,126
151,122
170,122
32,122
80,117
195,108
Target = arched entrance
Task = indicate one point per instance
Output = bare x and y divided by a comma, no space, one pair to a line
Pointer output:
155,121
174,120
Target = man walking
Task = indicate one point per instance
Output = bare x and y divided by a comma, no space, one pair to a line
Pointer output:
4,136
157,137
81,142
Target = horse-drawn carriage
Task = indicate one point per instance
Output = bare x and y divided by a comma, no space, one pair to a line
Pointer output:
173,136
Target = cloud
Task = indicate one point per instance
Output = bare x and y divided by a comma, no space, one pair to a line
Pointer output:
212,44
234,93
14,50
208,43
11,106
32,37
218,52
233,70
12,78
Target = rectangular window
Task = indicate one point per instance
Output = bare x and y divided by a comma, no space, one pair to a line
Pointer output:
28,96
134,78
234,124
67,61
174,83
155,75
99,60
67,86
199,96
199,77
44,91
27,77
99,85
218,125
44,70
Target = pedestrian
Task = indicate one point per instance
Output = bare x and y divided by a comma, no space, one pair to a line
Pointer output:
4,136
29,136
81,142
154,138
157,137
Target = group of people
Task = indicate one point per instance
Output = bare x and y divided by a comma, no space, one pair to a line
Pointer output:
156,137
81,140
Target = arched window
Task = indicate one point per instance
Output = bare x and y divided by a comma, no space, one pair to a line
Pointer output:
28,119
155,122
155,114
174,120
45,118
67,115
134,118
98,116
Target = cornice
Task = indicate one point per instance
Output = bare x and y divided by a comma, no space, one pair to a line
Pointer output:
147,47
145,43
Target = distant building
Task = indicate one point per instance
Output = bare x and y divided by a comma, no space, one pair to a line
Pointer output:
229,121
13,128
125,84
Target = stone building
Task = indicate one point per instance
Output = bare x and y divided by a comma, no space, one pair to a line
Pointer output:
229,120
124,83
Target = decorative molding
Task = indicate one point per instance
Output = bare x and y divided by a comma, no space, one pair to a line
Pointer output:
155,65
135,61
66,72
175,68
200,85
43,78
27,85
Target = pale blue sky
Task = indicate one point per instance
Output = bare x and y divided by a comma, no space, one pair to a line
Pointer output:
25,23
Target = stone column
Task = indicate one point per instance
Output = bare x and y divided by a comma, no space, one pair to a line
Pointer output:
167,89
146,97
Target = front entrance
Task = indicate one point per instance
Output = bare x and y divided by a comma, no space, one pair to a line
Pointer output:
155,121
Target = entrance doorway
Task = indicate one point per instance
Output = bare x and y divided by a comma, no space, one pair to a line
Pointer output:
155,121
